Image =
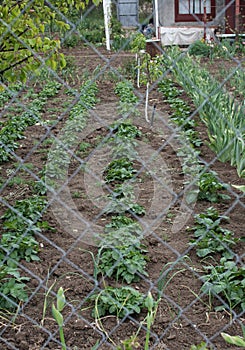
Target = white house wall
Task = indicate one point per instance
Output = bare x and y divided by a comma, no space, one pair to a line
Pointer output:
167,14
185,33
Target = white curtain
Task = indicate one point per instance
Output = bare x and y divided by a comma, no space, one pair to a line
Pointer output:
194,6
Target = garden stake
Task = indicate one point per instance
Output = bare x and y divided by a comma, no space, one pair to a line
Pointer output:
153,114
146,102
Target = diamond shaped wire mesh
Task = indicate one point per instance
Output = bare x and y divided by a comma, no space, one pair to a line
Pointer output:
109,231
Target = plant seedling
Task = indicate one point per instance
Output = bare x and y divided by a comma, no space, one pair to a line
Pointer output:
56,312
235,340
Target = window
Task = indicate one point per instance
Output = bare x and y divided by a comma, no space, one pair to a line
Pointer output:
193,10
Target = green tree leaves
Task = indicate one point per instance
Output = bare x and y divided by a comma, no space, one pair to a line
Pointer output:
24,46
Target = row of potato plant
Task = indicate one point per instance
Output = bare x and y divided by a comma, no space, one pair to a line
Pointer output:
59,159
22,221
227,278
121,254
154,70
59,156
20,224
13,127
209,186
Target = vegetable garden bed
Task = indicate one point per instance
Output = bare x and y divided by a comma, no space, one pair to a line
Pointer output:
168,263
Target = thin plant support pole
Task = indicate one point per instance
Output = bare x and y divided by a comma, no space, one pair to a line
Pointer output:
107,20
204,20
237,15
146,103
138,72
156,19
153,115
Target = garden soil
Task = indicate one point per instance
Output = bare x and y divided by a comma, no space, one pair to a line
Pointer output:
184,316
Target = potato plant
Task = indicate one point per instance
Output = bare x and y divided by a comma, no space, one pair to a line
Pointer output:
14,127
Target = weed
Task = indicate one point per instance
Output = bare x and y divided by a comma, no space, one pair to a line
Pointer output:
129,344
201,346
76,194
16,180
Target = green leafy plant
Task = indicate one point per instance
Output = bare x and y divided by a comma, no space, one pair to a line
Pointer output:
120,221
126,263
119,230
138,43
210,187
84,146
13,128
228,281
123,147
57,314
181,111
238,81
210,237
119,170
123,140
125,129
59,157
20,225
121,302
12,287
121,254
123,200
200,48
150,317
50,89
127,99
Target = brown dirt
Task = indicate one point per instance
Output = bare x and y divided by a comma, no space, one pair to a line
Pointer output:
182,318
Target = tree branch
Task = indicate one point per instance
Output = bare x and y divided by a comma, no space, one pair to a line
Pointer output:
19,35
14,65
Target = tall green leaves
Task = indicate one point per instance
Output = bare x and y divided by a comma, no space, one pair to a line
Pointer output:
223,115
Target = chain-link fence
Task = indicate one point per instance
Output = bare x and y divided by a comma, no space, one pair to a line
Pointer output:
122,186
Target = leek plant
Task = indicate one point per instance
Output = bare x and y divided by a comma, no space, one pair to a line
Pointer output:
220,111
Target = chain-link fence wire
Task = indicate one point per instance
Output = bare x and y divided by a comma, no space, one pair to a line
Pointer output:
76,232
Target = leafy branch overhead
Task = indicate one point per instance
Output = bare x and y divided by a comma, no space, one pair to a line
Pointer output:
25,45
